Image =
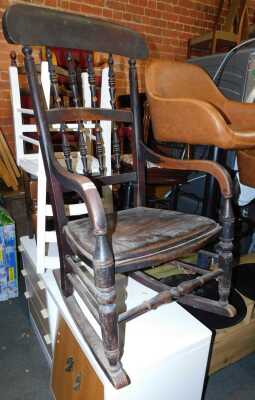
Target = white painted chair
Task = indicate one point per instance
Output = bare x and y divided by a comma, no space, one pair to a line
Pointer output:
46,249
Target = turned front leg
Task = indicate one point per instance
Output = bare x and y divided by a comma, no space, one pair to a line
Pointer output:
105,284
226,251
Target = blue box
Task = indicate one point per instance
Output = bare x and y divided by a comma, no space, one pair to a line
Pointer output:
8,257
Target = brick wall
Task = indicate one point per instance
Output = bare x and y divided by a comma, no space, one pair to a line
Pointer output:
166,25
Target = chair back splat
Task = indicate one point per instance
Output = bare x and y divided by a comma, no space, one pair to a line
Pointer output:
130,240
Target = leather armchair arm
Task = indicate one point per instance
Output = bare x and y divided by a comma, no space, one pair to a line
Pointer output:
189,121
88,192
241,115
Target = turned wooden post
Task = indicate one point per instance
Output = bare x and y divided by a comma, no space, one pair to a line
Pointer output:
48,154
77,103
57,101
115,138
138,155
13,57
98,129
104,269
225,251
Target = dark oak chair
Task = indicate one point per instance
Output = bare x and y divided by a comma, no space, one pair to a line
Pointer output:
93,249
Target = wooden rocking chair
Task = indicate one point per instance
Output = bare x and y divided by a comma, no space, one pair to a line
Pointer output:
233,31
93,249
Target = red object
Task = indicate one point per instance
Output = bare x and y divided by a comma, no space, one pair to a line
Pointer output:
79,56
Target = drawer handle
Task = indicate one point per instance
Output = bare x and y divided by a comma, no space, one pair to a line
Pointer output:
77,383
47,339
41,285
27,295
69,364
24,272
44,313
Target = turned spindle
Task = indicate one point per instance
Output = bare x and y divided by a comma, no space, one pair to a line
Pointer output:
98,129
57,102
77,103
115,137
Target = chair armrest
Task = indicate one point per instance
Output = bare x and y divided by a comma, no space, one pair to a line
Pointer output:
220,173
190,121
241,115
86,189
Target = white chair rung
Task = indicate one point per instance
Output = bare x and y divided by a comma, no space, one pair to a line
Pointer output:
41,285
44,313
27,295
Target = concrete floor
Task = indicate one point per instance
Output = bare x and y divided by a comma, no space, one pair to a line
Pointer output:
24,371
25,374
236,382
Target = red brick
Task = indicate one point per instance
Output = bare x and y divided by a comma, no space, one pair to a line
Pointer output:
107,13
87,9
75,6
134,9
51,3
115,5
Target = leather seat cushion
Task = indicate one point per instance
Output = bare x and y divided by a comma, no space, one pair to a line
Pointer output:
142,237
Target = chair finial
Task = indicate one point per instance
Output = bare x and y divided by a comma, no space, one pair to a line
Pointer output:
13,57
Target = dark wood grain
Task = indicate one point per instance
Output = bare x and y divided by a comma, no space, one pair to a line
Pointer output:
38,26
77,102
115,137
160,234
58,103
87,114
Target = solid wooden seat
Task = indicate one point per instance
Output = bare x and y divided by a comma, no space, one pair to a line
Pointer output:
141,236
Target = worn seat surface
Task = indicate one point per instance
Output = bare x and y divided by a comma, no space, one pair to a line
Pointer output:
143,234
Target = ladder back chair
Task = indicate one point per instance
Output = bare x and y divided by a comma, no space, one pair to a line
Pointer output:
234,29
31,163
94,249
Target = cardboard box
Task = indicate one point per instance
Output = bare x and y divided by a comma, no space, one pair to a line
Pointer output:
8,257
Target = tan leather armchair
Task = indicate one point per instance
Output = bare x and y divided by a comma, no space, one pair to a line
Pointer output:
246,164
187,107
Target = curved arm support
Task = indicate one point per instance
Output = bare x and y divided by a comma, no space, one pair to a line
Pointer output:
86,189
210,167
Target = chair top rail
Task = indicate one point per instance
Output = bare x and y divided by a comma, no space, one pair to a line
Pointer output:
31,25
56,115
